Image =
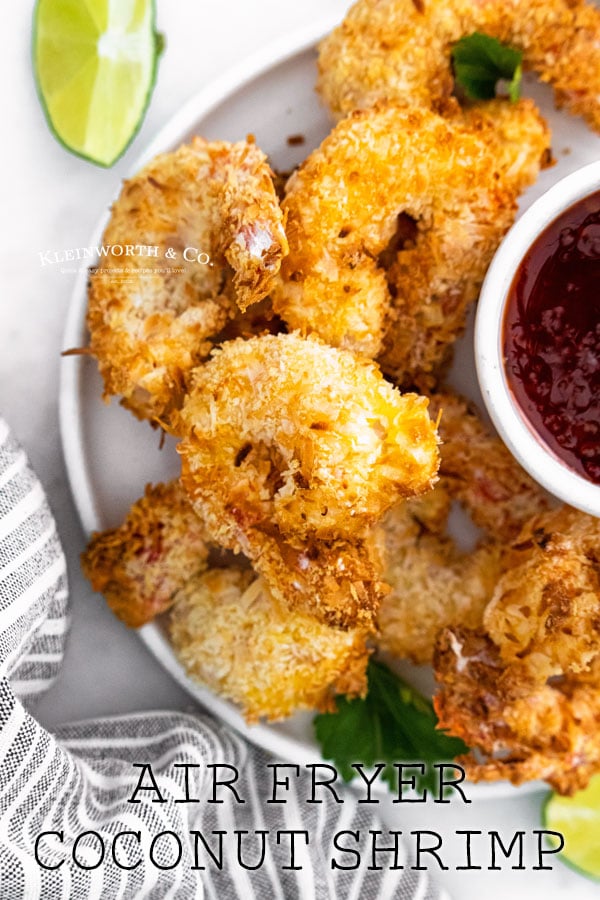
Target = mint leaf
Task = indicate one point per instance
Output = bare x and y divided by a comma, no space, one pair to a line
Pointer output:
480,62
394,723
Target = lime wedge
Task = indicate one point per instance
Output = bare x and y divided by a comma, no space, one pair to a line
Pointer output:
95,65
577,818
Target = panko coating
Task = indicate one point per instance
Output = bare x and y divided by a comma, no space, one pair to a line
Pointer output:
150,326
140,565
400,50
284,435
356,275
544,614
518,730
231,634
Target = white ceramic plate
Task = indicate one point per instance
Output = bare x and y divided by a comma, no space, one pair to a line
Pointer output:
110,456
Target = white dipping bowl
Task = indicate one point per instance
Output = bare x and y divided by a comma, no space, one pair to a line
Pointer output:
516,431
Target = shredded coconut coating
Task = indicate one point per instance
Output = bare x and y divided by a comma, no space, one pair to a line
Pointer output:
519,731
287,435
149,327
236,638
392,223
140,565
478,470
339,582
399,50
434,584
523,688
544,614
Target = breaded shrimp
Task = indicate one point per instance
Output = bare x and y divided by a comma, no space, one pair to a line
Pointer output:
399,50
478,470
350,278
517,133
525,684
286,436
339,582
232,635
544,614
140,565
433,583
523,731
150,326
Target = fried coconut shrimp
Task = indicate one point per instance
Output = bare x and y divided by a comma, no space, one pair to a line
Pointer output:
434,584
392,223
524,687
479,471
339,582
519,730
140,566
544,615
212,205
399,50
232,634
287,436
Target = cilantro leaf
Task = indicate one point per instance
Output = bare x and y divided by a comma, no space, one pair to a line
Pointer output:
481,61
393,723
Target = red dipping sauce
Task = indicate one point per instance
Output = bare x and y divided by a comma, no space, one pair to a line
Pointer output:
552,337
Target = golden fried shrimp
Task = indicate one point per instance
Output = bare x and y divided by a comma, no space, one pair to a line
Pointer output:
544,614
523,731
140,565
399,50
285,435
433,584
339,582
231,634
355,275
215,207
432,278
478,470
517,132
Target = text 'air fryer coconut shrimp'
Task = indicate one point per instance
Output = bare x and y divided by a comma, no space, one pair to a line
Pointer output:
392,223
211,211
400,51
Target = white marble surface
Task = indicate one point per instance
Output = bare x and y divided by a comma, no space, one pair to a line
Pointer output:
51,200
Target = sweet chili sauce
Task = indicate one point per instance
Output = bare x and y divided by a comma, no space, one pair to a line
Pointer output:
552,337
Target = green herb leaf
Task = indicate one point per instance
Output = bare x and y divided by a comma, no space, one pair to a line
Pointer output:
394,723
480,62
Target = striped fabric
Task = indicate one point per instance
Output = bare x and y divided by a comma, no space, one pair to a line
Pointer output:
79,783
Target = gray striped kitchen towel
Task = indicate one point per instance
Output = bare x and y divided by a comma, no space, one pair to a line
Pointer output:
98,810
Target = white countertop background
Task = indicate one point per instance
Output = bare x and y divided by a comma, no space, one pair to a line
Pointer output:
52,200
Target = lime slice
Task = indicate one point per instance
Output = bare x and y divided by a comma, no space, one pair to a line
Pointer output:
95,65
577,818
